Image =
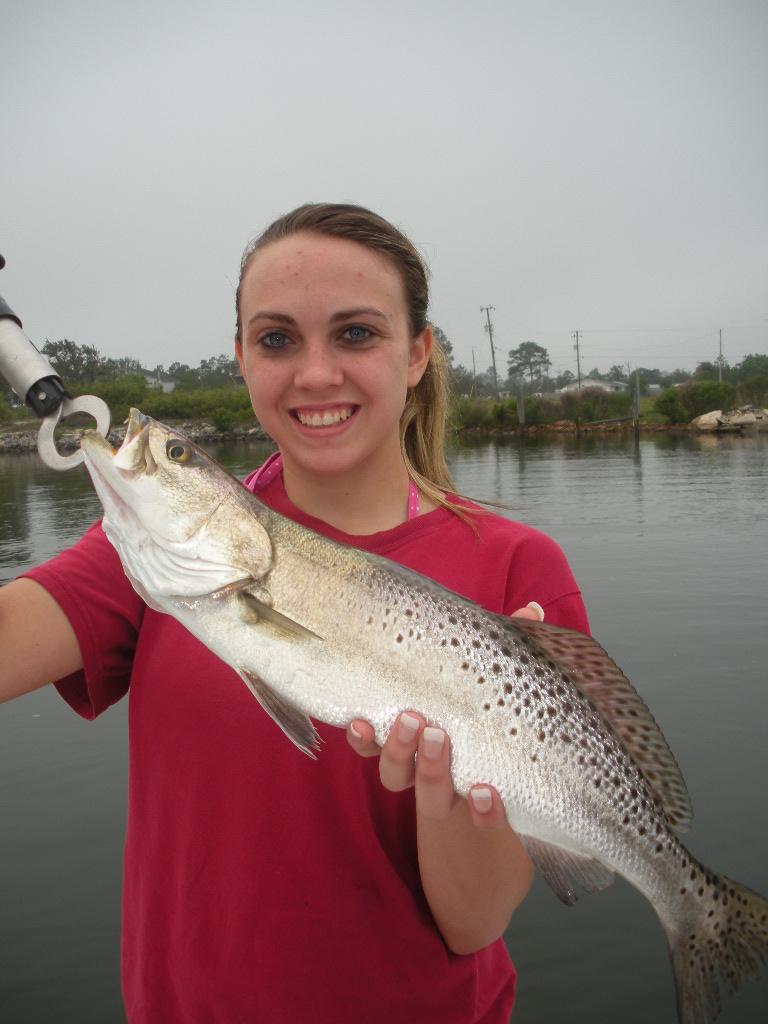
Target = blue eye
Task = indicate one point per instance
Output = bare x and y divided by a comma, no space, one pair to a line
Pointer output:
357,333
275,339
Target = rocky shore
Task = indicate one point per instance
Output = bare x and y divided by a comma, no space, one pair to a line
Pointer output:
747,419
21,441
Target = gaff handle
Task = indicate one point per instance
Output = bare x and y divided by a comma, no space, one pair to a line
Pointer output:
25,368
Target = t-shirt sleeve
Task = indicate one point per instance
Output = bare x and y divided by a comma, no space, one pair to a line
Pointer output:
540,572
88,583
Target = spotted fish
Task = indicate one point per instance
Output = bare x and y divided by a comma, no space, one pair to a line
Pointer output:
319,630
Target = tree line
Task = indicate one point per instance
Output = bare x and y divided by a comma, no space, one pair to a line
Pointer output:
214,389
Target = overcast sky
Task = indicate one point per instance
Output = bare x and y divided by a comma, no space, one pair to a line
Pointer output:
591,166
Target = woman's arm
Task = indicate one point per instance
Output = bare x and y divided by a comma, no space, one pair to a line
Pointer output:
474,870
37,643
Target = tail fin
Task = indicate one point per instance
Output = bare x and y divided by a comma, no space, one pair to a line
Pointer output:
722,943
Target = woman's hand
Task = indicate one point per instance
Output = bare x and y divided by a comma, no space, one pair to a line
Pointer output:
472,880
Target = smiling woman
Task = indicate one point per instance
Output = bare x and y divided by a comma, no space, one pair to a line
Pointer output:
328,360
369,851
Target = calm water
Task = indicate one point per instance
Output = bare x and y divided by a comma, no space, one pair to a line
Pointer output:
669,541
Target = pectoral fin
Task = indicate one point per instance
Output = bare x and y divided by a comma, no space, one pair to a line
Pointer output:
295,724
258,613
556,865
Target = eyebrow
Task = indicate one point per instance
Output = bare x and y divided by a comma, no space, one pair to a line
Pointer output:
342,314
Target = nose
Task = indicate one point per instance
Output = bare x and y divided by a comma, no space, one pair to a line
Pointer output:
318,366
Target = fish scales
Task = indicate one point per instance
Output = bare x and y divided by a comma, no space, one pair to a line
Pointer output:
542,714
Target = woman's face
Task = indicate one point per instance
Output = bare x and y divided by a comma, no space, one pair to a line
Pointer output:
326,352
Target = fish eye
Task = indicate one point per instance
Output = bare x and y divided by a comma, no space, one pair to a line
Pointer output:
177,450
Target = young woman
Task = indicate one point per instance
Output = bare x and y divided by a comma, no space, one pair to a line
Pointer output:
260,885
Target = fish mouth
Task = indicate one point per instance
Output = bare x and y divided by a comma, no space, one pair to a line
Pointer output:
333,417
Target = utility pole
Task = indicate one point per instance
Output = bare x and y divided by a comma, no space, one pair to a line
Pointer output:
578,364
720,360
489,329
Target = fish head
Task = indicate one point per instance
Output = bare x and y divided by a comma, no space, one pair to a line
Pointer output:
182,524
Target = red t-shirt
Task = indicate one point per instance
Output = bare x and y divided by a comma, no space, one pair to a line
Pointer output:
260,885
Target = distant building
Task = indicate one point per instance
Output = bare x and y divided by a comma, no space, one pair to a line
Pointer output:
589,382
158,378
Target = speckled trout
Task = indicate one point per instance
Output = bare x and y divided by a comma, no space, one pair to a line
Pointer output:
319,630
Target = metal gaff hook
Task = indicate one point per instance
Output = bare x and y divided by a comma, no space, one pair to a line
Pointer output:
46,443
36,382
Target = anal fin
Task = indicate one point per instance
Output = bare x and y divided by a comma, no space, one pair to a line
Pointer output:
556,865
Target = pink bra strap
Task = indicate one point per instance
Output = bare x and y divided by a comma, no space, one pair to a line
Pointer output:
274,466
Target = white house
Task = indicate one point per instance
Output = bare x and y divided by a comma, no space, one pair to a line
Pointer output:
589,382
159,378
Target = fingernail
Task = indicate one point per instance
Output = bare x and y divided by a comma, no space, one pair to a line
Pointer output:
482,800
407,728
536,607
432,742
355,733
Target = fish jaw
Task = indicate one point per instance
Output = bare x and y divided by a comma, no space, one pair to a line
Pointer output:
163,501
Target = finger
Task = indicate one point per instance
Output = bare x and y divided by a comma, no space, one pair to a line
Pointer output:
532,610
435,796
396,764
360,736
486,809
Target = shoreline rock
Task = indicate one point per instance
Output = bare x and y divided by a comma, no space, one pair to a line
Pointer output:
21,442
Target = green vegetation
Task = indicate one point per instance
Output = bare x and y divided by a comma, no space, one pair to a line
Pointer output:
681,405
213,391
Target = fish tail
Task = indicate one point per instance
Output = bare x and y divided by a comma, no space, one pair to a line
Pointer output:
719,942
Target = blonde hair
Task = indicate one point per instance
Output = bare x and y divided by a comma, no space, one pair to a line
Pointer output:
424,419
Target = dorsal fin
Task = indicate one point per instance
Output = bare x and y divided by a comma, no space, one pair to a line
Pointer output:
601,679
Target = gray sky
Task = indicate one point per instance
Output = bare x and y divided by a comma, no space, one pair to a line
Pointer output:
600,166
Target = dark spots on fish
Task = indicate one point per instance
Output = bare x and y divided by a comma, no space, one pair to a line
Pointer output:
534,757
496,668
476,644
513,731
642,830
541,736
539,713
565,737
476,625
443,642
518,671
408,613
625,820
493,635
387,611
486,707
400,638
659,847
500,702
453,620
507,652
518,710
580,759
683,891
383,625
465,665
481,680
526,702
370,620
454,642
508,688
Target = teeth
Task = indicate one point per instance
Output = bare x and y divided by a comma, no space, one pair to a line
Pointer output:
325,419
